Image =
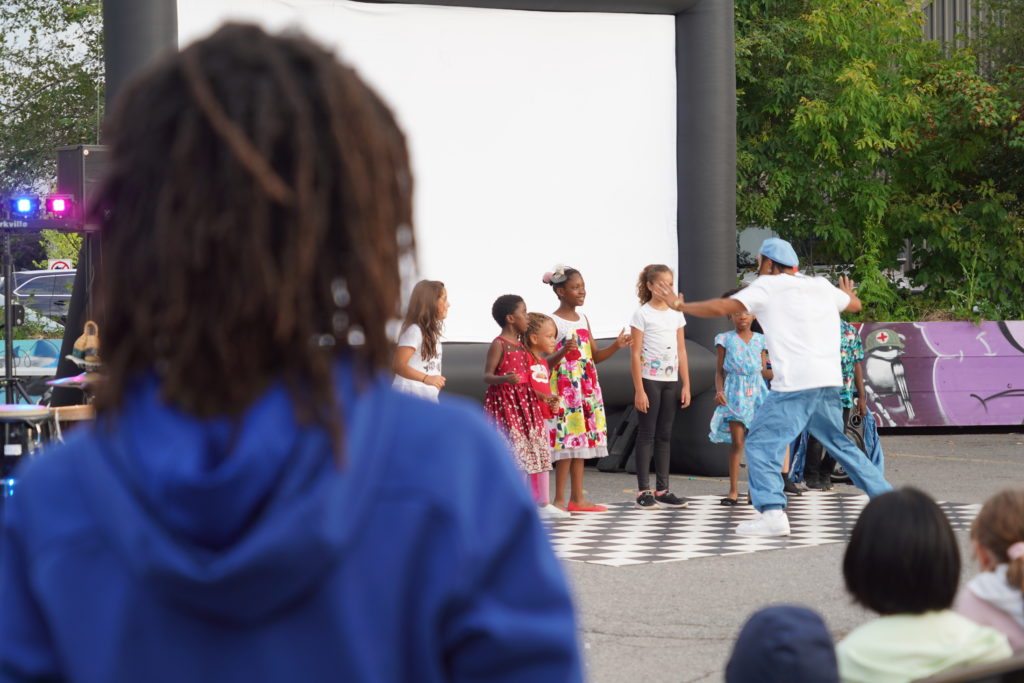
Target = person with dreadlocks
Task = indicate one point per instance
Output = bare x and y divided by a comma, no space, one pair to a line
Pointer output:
255,501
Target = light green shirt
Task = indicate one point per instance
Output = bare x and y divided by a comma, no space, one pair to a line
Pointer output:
905,647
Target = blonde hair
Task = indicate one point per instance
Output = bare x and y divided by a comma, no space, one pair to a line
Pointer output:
647,276
999,525
534,324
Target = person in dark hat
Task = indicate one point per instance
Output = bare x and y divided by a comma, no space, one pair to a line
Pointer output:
783,644
800,317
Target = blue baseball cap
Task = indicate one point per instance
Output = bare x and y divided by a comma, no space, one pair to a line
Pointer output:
780,251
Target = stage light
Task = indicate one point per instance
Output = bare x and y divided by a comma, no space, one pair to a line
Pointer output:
59,204
24,205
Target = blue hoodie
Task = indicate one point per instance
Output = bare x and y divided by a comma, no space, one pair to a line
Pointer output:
162,547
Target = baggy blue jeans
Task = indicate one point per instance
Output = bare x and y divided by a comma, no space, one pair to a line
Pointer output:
779,420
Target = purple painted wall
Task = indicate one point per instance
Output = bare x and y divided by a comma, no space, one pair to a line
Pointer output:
944,373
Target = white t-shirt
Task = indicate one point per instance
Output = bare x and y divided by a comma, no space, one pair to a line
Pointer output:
659,356
800,317
413,338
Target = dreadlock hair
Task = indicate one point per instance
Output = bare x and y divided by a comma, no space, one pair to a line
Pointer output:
247,149
647,276
423,313
534,324
999,525
504,306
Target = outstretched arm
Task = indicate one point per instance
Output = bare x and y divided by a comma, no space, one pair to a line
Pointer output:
600,355
711,308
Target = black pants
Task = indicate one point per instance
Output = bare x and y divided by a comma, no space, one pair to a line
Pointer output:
818,460
654,433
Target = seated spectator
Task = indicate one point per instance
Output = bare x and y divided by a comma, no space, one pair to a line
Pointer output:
783,644
903,563
993,597
255,502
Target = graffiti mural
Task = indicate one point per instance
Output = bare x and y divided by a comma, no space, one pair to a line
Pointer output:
944,373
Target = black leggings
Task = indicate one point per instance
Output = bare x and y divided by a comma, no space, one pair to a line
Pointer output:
654,432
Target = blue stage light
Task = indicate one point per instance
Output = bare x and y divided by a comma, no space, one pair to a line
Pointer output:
25,206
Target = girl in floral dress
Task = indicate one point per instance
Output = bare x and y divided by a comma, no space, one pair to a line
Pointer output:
581,431
740,390
511,402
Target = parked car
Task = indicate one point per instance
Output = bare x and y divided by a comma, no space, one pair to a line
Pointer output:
48,292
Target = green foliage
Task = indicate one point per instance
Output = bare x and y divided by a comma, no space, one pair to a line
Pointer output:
59,245
857,139
51,85
51,95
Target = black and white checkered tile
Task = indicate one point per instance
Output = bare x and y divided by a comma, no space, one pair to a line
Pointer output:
625,536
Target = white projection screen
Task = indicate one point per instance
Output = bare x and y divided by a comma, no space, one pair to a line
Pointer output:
537,138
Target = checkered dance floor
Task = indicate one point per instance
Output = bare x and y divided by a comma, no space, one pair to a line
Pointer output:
624,535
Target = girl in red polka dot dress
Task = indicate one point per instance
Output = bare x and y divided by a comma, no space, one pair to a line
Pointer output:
511,401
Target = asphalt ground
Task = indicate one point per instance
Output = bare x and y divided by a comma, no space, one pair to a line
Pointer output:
677,621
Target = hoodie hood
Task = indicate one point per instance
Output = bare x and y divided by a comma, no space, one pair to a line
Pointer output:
993,588
232,518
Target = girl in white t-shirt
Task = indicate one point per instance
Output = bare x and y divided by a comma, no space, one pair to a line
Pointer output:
660,375
417,363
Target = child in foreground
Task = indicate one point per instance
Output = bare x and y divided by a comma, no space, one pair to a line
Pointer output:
993,597
903,563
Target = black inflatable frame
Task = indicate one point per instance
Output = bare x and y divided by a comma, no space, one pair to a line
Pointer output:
137,30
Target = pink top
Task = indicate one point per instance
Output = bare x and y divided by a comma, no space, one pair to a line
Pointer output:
985,613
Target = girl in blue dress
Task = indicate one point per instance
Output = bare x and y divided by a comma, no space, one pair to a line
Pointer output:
740,390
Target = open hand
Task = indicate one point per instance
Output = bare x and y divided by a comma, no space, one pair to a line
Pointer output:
847,285
673,299
720,399
684,397
641,402
624,339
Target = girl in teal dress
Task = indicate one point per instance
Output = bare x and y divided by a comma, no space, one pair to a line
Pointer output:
740,390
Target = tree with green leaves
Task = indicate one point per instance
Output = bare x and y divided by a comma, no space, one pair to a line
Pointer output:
51,95
860,141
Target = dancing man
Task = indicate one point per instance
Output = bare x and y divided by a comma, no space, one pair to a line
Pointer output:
800,317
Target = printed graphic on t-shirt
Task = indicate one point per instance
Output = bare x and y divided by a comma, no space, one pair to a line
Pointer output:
432,366
660,367
540,373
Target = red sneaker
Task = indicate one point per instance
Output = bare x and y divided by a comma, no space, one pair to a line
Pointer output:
573,507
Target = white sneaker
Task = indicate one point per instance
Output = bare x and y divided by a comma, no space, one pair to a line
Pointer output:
550,512
769,523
